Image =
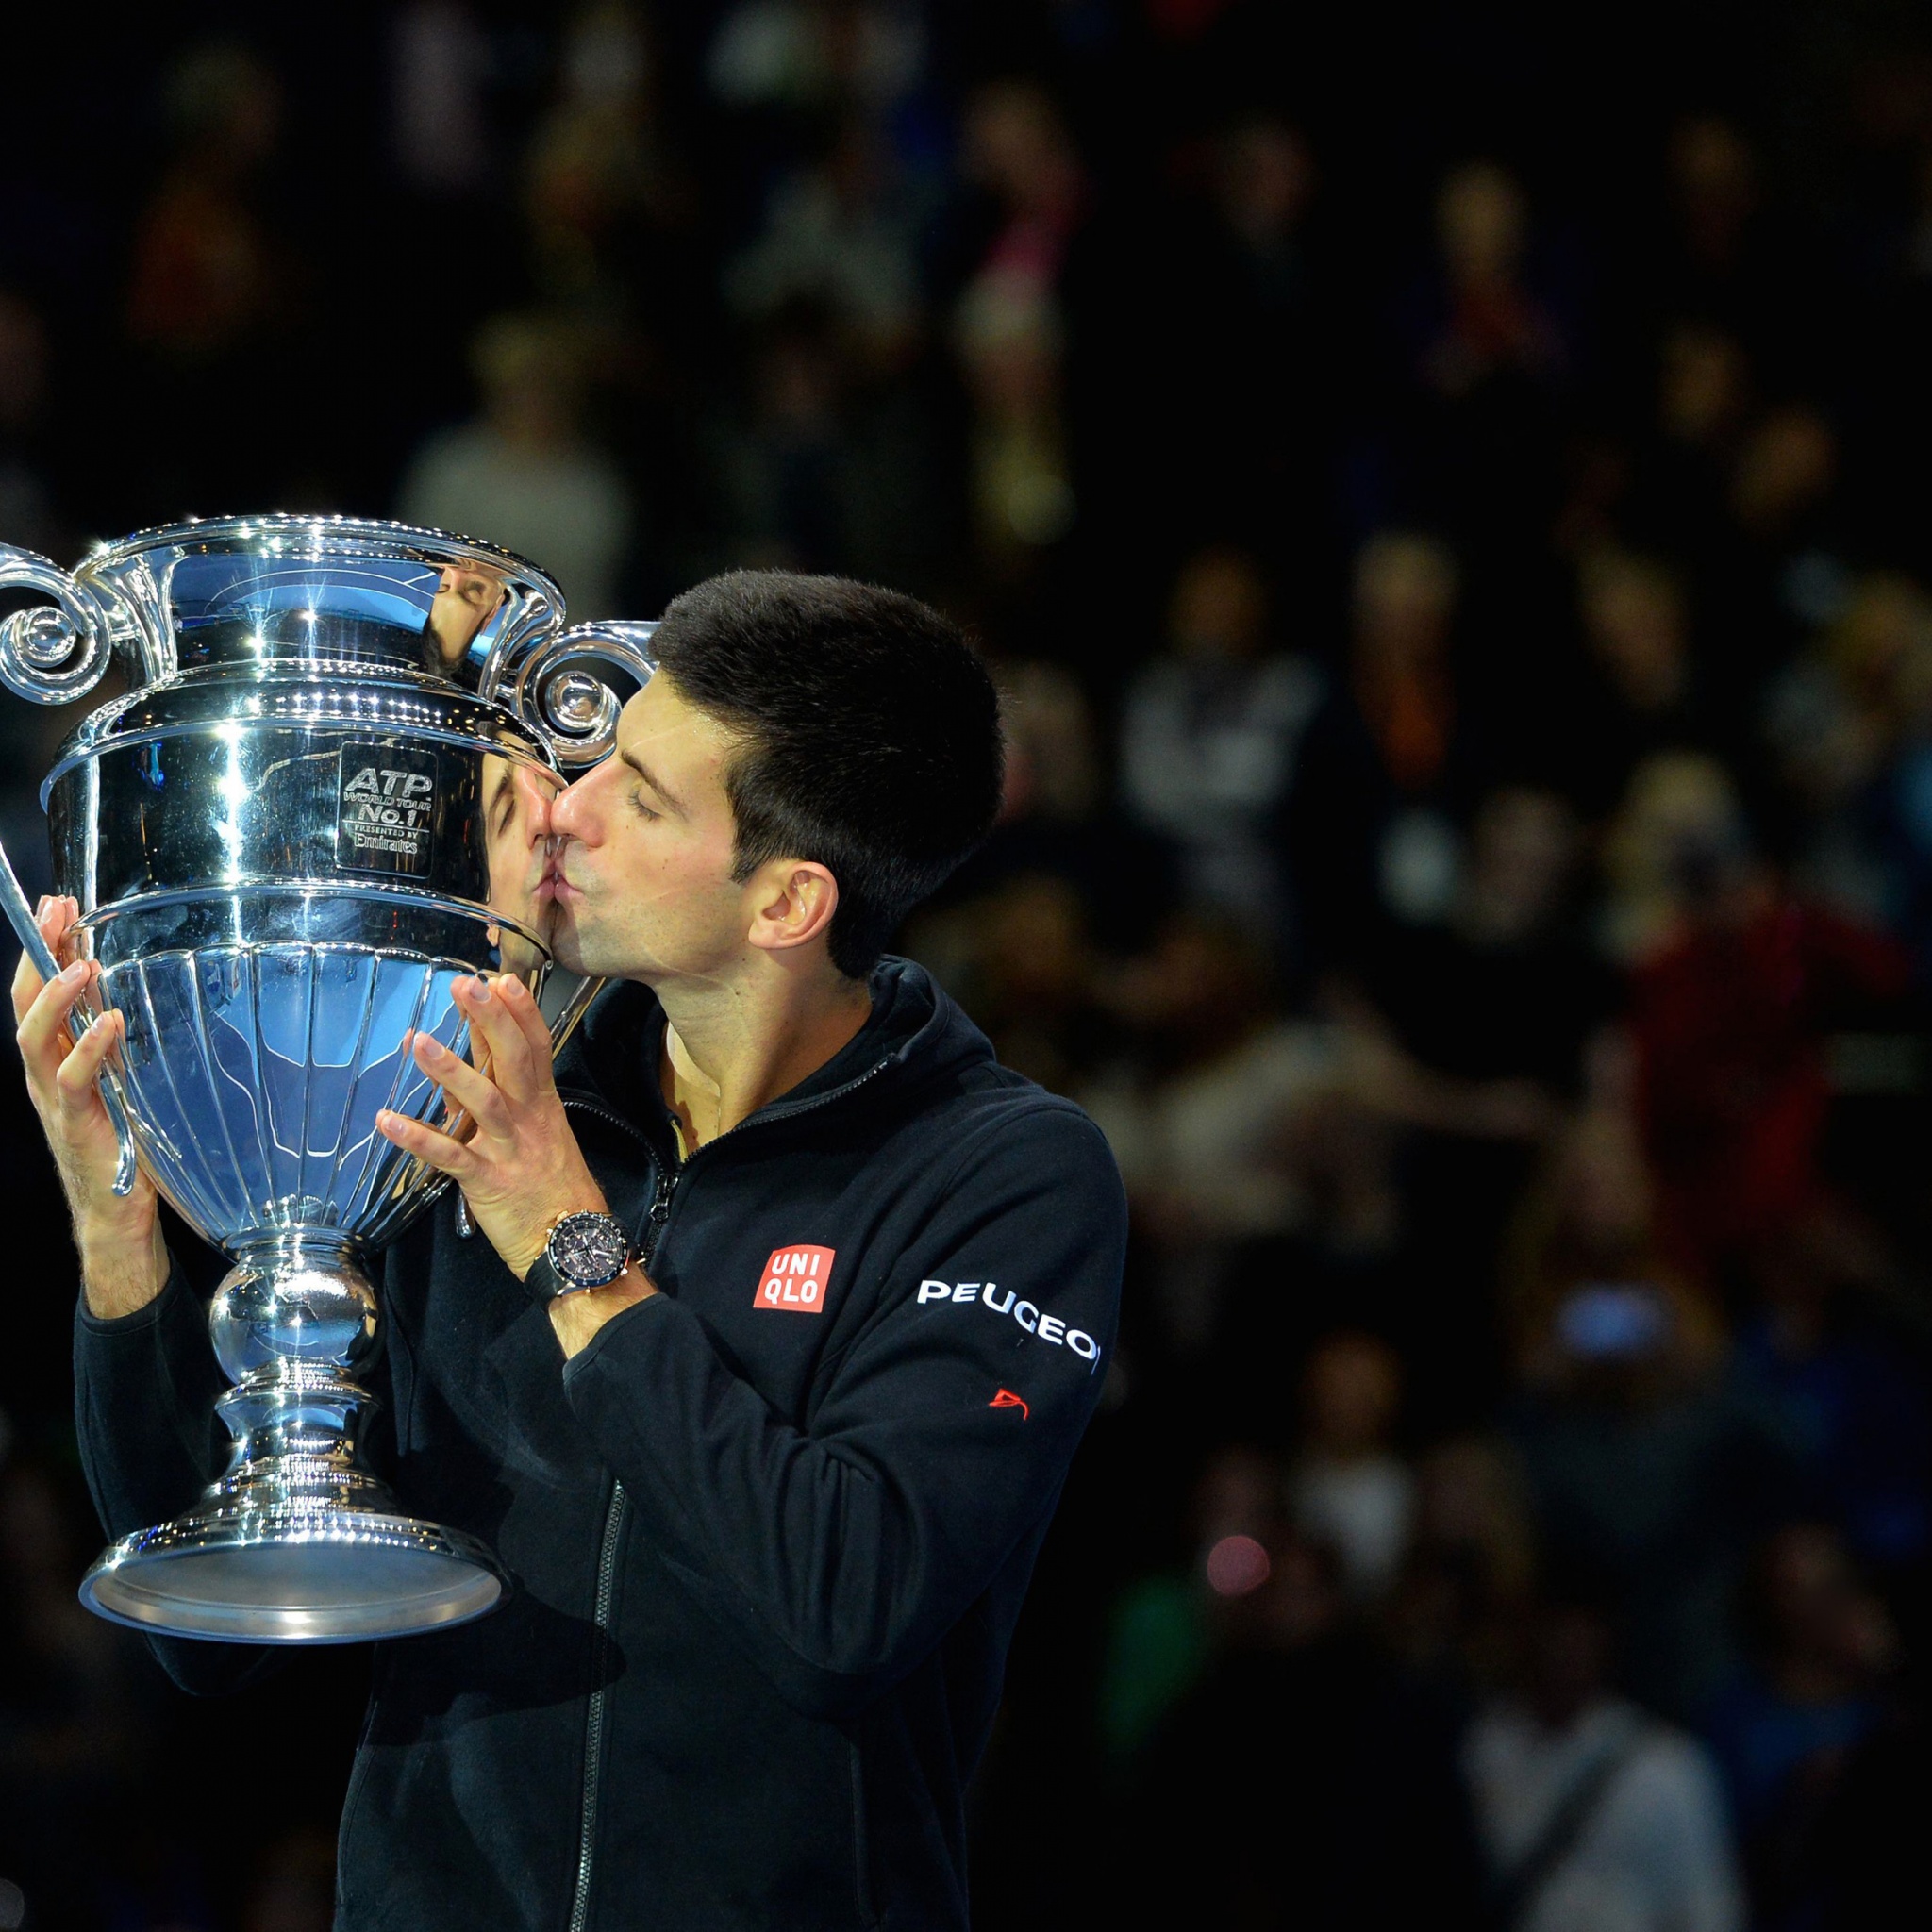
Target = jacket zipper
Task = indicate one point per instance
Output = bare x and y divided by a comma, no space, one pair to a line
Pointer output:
668,1177
607,1569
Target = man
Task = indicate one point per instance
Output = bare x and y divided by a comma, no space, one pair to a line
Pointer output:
770,1493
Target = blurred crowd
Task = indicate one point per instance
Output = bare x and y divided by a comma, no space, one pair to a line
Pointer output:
1443,494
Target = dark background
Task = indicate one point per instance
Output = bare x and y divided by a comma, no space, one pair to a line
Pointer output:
1444,490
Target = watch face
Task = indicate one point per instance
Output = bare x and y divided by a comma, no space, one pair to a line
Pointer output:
588,1250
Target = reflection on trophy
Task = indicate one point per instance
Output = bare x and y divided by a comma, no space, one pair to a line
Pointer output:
322,805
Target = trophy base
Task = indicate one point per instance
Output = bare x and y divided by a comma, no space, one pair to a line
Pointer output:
294,1575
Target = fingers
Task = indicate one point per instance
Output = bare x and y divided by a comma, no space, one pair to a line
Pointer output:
54,918
504,1020
438,1150
470,1088
75,1081
42,1031
26,987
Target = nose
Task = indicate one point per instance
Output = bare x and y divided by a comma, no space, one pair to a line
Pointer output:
535,801
567,814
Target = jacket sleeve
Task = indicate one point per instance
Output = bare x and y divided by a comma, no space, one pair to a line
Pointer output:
144,1390
844,1551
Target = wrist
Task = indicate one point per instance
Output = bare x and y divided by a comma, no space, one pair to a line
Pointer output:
575,1319
520,1255
122,1275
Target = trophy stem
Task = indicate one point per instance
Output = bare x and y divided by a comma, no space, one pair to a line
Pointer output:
297,1541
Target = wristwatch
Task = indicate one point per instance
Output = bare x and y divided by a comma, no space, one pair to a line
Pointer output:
584,1250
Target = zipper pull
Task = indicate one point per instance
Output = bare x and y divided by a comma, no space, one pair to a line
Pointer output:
660,1204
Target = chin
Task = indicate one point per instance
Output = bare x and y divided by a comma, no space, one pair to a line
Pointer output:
565,952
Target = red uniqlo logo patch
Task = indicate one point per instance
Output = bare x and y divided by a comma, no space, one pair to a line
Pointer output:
796,1278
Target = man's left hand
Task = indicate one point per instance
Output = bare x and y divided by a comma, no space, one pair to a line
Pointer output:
520,1168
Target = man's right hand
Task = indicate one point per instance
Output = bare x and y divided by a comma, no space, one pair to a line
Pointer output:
124,1258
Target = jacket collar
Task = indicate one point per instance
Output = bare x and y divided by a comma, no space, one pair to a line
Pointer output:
915,1031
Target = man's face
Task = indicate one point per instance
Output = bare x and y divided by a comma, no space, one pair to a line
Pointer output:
642,875
517,803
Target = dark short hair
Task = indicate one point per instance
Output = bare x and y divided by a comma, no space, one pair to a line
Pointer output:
867,729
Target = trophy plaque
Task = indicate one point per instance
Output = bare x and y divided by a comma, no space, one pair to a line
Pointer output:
310,816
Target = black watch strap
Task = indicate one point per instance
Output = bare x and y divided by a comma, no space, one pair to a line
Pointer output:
544,1283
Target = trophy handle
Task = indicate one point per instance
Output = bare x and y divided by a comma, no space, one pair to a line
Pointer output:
21,917
570,1013
50,655
565,702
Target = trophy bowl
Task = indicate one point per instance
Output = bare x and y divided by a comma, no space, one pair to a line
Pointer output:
318,808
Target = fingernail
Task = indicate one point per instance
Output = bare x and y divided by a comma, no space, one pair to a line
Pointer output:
73,976
480,991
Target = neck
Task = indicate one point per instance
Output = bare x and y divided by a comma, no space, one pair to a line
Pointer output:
730,1049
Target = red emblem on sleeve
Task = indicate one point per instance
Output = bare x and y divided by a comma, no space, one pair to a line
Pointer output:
1007,1399
796,1278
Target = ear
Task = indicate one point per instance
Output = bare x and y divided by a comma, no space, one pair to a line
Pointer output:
793,902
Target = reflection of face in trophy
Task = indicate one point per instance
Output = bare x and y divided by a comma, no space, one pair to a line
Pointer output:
465,601
516,820
288,842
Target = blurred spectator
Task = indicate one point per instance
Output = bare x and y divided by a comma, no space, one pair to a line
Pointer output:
843,235
1349,1487
1359,1821
1024,959
1506,987
1010,327
1056,817
819,473
1716,268
1016,149
1851,1383
1595,1817
806,54
1373,821
442,130
1209,739
1246,1127
1011,343
1639,693
1728,1013
215,293
1783,1729
1704,395
1851,724
1678,824
1778,568
205,273
1162,1631
1244,321
522,473
1491,325
1472,1557
1488,351
1646,1466
599,188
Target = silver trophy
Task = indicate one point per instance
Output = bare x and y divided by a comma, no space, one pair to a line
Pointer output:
312,813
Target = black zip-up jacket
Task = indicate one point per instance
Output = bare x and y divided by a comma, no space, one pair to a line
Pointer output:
768,1534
